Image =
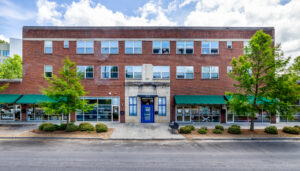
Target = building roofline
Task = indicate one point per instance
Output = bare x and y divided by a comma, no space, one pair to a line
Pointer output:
141,28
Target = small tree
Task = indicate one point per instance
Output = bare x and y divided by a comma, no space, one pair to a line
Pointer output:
3,41
65,91
11,68
251,73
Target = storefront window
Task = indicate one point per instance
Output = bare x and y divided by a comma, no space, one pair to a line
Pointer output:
36,113
198,113
7,112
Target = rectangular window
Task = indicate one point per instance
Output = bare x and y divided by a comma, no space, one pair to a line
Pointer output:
0,53
210,47
66,44
132,106
85,47
48,71
162,106
229,69
161,72
109,47
133,72
184,47
229,44
86,72
161,47
185,72
210,72
48,47
246,47
133,47
5,53
109,72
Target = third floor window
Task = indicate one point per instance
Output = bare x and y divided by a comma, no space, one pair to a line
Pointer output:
109,47
161,47
48,47
85,47
184,47
133,47
210,47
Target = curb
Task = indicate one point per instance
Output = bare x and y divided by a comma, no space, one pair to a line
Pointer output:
65,138
252,138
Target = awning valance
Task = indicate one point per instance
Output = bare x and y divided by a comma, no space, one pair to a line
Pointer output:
9,98
33,99
199,99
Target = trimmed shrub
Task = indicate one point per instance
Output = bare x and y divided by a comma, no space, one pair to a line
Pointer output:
192,127
204,127
291,130
101,127
220,127
41,127
71,128
62,126
271,130
49,127
185,130
217,131
86,126
202,131
297,126
234,129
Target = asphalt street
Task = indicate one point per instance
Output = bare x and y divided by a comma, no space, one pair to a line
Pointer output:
148,155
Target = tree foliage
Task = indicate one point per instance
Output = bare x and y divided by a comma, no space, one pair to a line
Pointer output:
3,41
11,68
65,91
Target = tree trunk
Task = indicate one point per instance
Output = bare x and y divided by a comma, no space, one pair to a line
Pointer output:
252,124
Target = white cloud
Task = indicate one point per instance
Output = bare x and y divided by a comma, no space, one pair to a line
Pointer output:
10,11
47,13
285,18
2,37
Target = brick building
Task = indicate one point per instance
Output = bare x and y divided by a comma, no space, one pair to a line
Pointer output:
136,74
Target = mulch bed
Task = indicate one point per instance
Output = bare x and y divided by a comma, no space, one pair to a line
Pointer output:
76,134
246,133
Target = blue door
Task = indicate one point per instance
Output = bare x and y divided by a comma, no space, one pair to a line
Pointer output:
147,114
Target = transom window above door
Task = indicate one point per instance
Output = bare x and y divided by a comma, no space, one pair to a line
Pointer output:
160,47
185,47
109,47
133,47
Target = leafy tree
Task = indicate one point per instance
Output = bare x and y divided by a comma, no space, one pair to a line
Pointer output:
11,68
3,41
65,91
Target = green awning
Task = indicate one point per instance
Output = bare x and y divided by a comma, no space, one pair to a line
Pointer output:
199,99
260,100
9,98
33,99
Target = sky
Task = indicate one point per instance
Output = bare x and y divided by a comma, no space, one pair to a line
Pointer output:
284,15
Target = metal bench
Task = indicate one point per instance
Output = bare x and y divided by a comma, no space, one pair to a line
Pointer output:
174,126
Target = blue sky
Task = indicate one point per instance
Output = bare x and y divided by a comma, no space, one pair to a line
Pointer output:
282,14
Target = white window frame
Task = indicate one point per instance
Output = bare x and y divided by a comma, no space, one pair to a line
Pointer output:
45,46
210,73
133,73
229,44
109,46
185,73
109,75
84,73
85,46
161,73
229,69
161,47
246,44
184,53
133,47
66,44
45,71
210,42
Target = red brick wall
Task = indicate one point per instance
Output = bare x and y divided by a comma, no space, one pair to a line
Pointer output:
34,60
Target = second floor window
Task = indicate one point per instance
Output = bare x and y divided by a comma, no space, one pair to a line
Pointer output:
184,47
185,72
86,72
133,72
161,72
210,47
109,47
133,47
109,72
161,47
5,53
210,72
85,47
48,47
229,69
48,71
